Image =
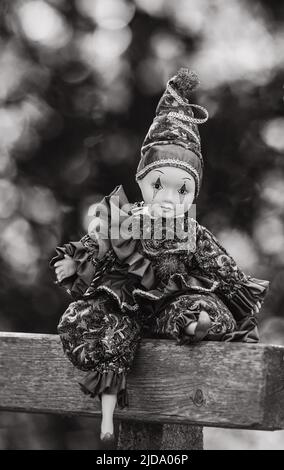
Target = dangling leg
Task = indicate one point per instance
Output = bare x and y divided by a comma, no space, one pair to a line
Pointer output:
108,406
121,343
99,338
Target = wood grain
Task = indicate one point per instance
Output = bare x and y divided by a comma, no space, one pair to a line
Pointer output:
234,385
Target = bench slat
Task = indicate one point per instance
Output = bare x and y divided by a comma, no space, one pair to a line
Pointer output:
235,385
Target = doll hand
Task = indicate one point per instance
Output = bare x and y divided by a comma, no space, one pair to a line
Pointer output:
65,268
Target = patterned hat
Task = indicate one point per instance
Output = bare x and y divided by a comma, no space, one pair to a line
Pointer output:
173,138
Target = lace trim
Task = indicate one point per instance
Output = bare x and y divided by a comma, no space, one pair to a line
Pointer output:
169,251
116,297
194,288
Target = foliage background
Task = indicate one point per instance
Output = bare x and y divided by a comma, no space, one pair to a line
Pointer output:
79,83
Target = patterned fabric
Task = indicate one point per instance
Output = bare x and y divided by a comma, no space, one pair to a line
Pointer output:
214,260
186,309
95,336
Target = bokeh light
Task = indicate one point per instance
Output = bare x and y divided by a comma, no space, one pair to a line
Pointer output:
11,127
43,24
20,250
8,167
269,233
104,45
241,247
39,205
273,134
166,46
252,57
13,69
272,189
152,7
221,58
108,14
9,198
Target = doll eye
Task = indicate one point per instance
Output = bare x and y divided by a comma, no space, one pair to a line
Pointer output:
157,184
183,190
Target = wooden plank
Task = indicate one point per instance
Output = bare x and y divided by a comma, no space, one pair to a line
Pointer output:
234,385
274,397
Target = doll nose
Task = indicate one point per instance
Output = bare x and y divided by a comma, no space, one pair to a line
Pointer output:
169,198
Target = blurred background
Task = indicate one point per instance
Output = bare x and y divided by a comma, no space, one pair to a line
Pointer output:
79,84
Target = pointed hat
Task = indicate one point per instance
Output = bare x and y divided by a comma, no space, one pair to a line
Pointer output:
173,138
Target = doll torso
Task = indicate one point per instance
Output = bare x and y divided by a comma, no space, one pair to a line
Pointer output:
165,264
168,252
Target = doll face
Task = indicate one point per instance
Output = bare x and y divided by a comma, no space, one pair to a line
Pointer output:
170,190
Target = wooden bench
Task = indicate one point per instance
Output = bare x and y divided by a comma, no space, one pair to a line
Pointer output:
174,390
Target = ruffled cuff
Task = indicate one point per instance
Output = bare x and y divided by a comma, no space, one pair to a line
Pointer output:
77,284
248,298
246,331
244,305
110,382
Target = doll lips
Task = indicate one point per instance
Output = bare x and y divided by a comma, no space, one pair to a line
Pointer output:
167,208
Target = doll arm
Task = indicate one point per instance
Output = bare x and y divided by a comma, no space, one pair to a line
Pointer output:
84,253
243,294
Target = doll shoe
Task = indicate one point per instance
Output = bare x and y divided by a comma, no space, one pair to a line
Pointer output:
203,326
107,437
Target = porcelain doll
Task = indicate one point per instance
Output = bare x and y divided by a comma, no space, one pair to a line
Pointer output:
186,288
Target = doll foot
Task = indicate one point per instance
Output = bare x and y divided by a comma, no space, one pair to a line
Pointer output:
196,330
203,326
107,437
107,432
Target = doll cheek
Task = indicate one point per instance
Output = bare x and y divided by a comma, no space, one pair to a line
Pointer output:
182,198
185,203
150,193
155,192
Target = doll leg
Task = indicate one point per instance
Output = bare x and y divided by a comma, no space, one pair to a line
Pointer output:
109,401
192,317
99,338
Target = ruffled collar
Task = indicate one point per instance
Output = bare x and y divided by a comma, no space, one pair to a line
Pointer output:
120,216
116,210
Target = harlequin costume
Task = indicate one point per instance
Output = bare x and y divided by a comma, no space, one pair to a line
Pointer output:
126,288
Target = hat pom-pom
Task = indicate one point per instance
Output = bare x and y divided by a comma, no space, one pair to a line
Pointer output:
185,82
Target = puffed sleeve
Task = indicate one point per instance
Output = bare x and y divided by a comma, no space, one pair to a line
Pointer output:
84,253
243,294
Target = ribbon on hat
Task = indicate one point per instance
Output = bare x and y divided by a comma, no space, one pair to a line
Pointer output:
183,103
